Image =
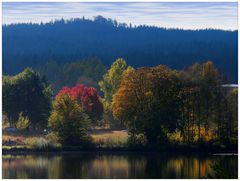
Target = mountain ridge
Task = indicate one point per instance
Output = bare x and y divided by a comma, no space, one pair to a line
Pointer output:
64,41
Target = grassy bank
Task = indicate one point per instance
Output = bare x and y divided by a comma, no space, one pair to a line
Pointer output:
148,148
102,140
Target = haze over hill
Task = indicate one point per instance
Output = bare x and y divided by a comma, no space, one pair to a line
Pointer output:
64,41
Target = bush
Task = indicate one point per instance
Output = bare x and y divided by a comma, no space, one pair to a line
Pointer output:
137,140
175,137
23,122
68,121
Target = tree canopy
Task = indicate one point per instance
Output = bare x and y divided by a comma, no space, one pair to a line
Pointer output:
27,93
111,81
147,101
68,120
88,99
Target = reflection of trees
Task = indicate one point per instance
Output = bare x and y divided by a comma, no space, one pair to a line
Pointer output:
114,166
29,166
223,169
101,166
177,166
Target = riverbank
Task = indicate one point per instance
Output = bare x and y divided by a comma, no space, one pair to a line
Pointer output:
136,149
102,140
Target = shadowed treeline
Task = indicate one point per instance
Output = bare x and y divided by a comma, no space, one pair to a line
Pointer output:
33,45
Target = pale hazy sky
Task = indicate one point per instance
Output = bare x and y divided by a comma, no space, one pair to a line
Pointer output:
186,15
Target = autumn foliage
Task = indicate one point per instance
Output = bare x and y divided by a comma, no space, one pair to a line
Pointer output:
87,97
147,101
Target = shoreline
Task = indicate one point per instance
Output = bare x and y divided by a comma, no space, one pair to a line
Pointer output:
122,150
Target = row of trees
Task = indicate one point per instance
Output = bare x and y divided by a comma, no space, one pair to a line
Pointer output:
156,102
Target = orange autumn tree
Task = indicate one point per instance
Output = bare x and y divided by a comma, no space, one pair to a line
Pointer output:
147,102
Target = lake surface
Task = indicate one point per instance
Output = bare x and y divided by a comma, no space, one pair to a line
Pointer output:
126,165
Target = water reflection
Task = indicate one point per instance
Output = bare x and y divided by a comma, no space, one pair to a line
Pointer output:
113,166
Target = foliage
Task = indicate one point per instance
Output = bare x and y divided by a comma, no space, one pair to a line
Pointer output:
88,99
68,121
147,102
29,93
189,106
137,140
199,94
23,122
86,71
111,81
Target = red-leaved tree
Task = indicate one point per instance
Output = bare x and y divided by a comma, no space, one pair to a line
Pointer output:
87,97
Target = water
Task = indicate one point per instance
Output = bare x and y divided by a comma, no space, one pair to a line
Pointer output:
127,165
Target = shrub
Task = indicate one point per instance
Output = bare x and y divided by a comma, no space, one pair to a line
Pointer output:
138,139
175,137
23,122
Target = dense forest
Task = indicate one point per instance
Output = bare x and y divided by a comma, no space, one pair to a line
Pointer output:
65,41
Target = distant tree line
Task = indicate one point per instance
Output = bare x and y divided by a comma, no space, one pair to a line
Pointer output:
63,41
87,71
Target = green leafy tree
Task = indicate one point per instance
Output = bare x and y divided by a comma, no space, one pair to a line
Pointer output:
111,81
11,106
29,93
68,121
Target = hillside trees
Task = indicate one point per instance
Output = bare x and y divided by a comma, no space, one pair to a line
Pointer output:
33,45
27,93
86,71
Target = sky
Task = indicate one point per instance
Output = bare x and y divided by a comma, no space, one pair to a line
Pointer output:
185,15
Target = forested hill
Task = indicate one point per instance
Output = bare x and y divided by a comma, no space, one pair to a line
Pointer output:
63,41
